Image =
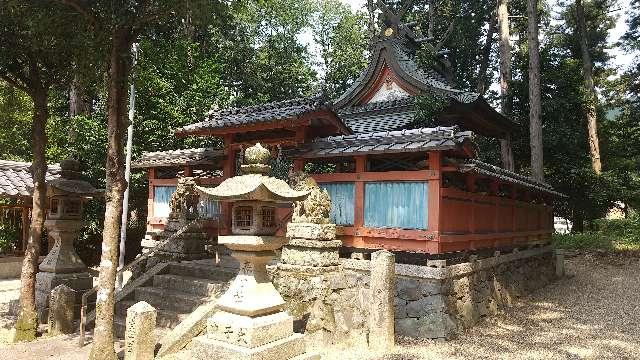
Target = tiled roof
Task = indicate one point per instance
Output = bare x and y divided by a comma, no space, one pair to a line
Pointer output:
440,138
400,59
15,178
379,116
483,168
263,113
183,157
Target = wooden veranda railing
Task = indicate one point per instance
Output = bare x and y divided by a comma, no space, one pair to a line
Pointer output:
85,318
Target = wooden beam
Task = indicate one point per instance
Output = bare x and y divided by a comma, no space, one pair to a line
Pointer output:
435,184
361,167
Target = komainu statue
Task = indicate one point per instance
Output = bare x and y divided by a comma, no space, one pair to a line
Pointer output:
185,199
316,207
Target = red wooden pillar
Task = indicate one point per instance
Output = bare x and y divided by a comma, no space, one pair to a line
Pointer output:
495,188
358,213
187,171
298,165
471,188
435,194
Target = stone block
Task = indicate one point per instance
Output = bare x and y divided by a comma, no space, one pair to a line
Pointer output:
408,289
61,310
321,244
383,288
407,327
249,332
426,305
45,282
431,287
311,231
140,337
437,325
310,256
205,348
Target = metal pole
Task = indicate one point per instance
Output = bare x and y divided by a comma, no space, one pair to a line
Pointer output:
127,171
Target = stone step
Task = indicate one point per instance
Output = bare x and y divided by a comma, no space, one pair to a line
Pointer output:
189,284
165,318
203,271
164,299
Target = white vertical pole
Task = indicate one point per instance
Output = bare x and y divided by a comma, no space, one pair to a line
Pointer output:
127,171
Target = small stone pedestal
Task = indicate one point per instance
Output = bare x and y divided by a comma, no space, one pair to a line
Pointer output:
251,323
62,266
311,245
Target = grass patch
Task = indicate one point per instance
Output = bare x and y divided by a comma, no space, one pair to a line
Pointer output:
620,235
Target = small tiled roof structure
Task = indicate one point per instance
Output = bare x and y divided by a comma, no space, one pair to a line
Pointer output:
379,116
264,113
16,180
482,168
401,141
196,156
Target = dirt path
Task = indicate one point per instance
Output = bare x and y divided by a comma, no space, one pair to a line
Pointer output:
592,314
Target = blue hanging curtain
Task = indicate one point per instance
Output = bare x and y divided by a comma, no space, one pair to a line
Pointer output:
209,209
396,205
161,198
342,202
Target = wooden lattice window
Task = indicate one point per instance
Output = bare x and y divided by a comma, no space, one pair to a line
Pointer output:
268,217
243,216
54,206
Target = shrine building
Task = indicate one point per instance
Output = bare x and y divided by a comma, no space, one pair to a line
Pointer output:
394,183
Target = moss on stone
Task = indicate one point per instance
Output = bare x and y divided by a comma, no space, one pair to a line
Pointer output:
26,326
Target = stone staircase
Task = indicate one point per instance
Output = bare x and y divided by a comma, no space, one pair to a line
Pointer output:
177,291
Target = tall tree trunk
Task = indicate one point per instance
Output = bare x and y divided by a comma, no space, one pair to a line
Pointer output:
119,66
78,105
27,319
432,14
78,102
591,97
481,86
506,151
535,123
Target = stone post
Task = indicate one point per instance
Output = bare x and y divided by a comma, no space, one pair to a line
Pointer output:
61,304
140,337
559,259
383,288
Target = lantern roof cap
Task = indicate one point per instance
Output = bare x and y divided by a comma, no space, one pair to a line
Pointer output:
254,185
70,182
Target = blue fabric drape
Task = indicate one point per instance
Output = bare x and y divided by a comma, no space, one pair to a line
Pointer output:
208,208
396,205
161,198
342,202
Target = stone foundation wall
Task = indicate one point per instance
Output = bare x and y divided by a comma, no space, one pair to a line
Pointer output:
330,305
440,302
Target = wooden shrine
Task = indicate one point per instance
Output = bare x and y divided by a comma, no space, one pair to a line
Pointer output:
394,182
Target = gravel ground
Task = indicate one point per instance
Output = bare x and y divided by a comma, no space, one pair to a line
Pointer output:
594,313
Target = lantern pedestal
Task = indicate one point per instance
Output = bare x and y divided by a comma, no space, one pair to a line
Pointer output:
251,323
61,266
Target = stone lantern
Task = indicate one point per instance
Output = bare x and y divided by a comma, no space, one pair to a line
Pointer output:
251,322
66,198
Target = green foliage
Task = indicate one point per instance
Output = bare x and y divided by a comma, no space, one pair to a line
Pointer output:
428,107
15,110
343,40
613,235
9,233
